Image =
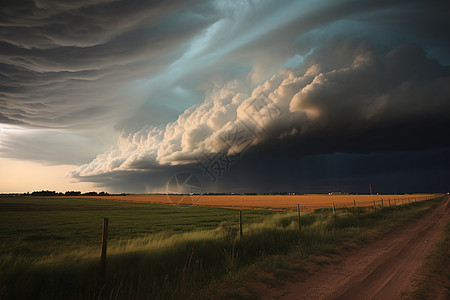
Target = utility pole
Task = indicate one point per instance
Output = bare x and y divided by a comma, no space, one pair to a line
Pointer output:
370,188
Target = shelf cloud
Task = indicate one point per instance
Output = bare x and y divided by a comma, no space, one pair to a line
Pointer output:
368,101
133,92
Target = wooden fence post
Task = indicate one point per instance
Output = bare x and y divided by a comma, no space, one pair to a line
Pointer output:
240,223
334,212
104,247
299,223
354,206
382,204
389,202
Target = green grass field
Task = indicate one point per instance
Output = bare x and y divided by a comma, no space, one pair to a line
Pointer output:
52,233
50,248
35,227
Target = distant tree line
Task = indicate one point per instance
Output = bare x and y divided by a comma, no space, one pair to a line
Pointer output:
68,193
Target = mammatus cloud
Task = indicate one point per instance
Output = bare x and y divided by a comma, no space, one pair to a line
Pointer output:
344,98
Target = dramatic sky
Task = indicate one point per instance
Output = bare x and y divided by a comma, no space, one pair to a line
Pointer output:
246,96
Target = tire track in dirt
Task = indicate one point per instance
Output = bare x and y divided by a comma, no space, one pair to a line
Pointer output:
381,270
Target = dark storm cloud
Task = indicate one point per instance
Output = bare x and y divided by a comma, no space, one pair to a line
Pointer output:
349,96
72,65
361,77
50,24
388,172
400,171
81,61
375,102
146,180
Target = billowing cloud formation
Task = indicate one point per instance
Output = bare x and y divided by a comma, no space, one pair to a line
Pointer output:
343,104
180,81
80,65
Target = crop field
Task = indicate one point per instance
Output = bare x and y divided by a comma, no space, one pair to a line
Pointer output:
285,202
45,235
50,247
37,223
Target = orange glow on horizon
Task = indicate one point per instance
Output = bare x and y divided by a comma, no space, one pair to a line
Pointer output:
19,176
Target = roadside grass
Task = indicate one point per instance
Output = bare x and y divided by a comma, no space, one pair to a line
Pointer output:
322,236
433,278
149,258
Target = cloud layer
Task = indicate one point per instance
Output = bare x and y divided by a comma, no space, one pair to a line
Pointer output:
81,65
362,100
72,65
187,83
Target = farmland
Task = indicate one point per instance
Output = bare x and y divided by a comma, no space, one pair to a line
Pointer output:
49,247
34,223
285,202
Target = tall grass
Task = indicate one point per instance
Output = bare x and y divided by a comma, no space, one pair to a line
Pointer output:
181,265
432,279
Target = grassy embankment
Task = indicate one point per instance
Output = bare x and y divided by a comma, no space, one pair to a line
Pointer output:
49,248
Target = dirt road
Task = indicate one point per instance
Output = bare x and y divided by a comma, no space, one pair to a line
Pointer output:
381,270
